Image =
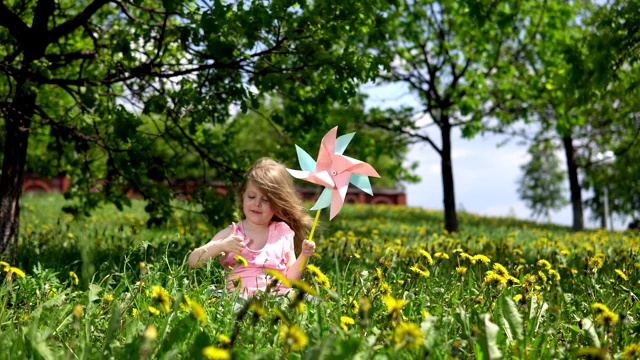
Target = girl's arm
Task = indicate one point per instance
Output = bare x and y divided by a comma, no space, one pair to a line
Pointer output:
223,241
295,267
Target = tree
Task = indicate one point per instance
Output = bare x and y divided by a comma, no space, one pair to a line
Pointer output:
541,184
122,92
256,134
614,126
572,83
458,58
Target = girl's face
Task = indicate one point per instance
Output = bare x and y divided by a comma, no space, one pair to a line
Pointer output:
256,206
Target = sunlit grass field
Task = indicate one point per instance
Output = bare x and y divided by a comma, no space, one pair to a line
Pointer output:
387,283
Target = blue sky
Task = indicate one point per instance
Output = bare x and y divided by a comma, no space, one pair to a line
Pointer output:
485,175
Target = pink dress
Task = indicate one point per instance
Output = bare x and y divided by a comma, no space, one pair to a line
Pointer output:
271,256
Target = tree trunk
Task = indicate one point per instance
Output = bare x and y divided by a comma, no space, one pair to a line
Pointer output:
574,184
450,216
18,121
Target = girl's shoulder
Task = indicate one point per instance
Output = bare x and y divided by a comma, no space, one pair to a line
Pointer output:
281,228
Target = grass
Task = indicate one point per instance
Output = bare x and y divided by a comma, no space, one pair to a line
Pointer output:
389,283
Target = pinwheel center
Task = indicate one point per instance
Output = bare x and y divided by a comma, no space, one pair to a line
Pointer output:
334,173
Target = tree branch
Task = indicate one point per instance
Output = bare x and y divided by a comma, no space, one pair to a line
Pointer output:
77,21
12,22
82,54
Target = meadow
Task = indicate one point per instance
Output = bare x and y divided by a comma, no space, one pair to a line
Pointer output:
387,282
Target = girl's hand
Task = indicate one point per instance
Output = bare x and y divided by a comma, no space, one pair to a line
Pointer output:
308,248
233,243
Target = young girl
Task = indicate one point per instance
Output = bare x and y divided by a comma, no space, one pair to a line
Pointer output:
272,232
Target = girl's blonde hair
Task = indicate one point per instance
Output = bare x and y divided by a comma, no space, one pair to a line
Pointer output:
273,180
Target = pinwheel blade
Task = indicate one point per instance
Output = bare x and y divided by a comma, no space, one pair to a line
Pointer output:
362,183
306,161
324,200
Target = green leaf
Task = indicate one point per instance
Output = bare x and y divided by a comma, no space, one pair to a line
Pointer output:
170,5
589,330
114,328
509,318
155,105
536,314
486,345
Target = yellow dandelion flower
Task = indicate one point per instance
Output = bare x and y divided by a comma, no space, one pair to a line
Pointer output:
354,307
4,266
241,260
393,305
379,274
457,251
621,274
441,255
599,308
385,288
542,276
596,261
512,280
74,278
420,270
365,306
161,297
78,311
631,351
319,276
224,340
151,332
427,256
529,281
345,322
15,270
553,274
153,310
544,264
107,297
565,252
293,337
593,353
607,318
466,257
407,334
280,277
500,270
198,312
280,315
300,307
257,309
134,313
573,271
517,298
491,277
52,292
517,252
518,268
482,258
461,270
304,287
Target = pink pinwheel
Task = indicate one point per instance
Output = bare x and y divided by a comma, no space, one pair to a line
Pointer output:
334,171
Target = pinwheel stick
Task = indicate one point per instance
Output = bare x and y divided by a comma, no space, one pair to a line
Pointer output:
303,263
313,227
